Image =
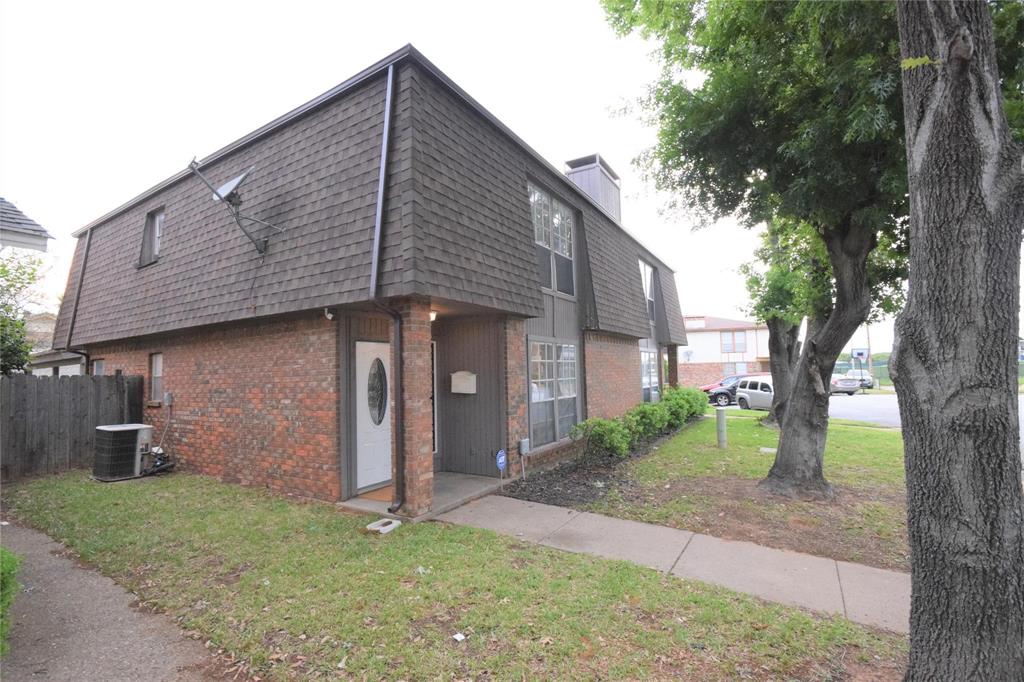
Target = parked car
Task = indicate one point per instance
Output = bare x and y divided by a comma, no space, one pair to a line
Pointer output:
723,393
844,384
754,393
863,376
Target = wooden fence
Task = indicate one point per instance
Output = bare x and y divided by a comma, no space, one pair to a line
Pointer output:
48,424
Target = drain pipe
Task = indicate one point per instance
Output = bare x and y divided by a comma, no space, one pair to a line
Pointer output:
396,317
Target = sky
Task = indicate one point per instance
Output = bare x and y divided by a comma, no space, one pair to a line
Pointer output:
100,101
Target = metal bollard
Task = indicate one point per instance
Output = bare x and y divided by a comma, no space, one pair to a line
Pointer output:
723,440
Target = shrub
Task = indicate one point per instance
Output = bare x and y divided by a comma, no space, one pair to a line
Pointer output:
603,436
651,420
8,587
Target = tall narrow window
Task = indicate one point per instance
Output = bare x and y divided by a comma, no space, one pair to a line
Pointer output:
553,391
649,375
151,236
553,238
156,377
647,278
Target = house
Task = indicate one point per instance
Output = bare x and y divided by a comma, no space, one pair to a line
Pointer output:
44,361
719,346
19,231
424,291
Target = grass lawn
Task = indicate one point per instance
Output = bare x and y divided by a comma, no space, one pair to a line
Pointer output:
295,591
689,483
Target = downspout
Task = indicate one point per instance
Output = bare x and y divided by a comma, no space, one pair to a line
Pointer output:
396,317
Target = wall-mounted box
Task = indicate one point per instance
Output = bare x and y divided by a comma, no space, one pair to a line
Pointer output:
463,382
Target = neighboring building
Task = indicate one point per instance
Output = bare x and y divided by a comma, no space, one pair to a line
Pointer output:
56,363
39,329
717,347
439,292
19,231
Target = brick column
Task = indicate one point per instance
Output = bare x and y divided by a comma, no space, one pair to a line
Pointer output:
417,421
514,360
673,365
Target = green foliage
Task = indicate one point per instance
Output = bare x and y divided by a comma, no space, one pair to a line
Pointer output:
603,436
645,421
14,345
8,588
18,272
1008,27
683,404
914,62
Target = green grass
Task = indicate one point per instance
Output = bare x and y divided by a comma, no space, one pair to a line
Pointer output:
688,482
295,590
856,454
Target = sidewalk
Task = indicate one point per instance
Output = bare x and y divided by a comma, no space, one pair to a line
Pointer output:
863,594
71,623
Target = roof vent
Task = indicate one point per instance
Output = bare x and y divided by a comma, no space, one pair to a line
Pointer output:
594,176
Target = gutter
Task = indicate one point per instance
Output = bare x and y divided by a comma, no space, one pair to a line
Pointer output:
396,317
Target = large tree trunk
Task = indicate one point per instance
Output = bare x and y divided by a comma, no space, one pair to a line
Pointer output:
954,361
797,471
783,354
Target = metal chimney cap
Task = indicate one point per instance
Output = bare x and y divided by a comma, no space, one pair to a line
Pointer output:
592,160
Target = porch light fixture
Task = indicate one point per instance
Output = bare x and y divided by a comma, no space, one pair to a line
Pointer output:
433,315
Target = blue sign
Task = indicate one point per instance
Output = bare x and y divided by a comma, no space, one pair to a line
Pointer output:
501,460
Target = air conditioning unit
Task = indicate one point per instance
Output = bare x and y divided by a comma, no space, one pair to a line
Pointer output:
119,451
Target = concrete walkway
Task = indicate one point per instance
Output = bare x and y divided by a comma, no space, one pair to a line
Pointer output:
71,623
863,594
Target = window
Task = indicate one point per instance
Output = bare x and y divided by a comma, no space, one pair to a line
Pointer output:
731,368
553,237
734,342
151,236
742,386
649,375
553,391
98,368
156,377
647,277
766,388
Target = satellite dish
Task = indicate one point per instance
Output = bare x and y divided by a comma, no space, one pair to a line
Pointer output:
225,191
228,193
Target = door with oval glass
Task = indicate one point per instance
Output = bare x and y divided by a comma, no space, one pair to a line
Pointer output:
373,414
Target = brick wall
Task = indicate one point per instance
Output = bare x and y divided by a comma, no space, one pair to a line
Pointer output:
613,374
417,415
255,403
516,407
699,373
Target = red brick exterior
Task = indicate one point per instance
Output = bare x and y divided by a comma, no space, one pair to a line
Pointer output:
516,406
612,373
255,403
673,365
699,373
417,417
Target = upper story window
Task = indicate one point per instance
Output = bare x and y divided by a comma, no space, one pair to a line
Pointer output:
553,236
151,236
156,377
647,277
734,342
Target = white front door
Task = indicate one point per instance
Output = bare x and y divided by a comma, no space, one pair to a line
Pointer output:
373,413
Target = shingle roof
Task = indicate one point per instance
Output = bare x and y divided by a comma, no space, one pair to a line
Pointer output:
316,171
13,219
719,323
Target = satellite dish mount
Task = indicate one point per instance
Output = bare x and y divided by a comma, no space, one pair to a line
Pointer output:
232,200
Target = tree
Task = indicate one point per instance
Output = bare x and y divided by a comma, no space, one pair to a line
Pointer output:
18,272
797,117
955,359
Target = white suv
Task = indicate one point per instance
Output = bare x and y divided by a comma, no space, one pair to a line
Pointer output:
754,393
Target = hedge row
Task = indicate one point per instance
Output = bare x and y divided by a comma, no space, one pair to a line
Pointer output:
8,586
642,423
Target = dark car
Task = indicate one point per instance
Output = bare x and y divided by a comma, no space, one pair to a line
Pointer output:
723,393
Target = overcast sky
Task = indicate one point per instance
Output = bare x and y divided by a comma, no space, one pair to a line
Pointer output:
101,100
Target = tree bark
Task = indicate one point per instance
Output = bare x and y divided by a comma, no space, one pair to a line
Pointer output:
798,471
954,361
783,354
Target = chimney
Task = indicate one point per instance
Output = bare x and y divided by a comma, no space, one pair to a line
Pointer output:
594,176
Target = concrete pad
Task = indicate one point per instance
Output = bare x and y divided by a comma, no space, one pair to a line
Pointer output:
453,490
527,520
642,543
875,596
775,575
